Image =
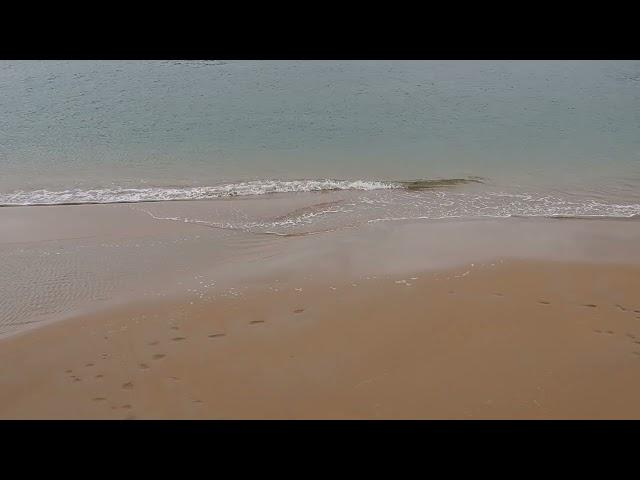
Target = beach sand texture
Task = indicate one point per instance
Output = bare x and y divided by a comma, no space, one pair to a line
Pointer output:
356,325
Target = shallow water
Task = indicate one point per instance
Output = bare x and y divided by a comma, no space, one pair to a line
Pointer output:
128,253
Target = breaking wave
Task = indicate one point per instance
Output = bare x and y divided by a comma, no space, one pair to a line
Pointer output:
257,187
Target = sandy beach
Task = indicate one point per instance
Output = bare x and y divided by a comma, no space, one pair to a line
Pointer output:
328,239
539,319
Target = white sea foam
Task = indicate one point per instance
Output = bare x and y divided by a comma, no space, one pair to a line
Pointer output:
157,194
362,202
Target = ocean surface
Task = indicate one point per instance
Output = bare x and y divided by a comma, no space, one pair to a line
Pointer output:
399,139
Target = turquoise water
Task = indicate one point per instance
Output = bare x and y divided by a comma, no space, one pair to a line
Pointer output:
103,131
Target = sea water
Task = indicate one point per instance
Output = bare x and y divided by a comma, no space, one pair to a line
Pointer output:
407,139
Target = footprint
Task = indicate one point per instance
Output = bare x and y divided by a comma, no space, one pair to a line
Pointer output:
158,356
598,331
100,375
99,399
178,339
298,310
253,322
68,371
153,343
127,386
198,401
544,302
610,332
175,328
89,365
144,366
216,335
591,305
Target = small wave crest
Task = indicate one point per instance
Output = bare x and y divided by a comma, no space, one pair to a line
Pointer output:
257,187
426,184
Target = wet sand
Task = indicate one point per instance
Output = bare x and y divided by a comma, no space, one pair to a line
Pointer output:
499,339
122,311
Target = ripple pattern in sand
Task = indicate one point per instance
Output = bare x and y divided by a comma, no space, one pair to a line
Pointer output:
38,283
46,280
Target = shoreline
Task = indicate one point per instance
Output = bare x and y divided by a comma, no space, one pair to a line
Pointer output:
320,239
107,255
490,318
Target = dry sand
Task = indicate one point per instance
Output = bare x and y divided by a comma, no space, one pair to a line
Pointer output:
512,339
